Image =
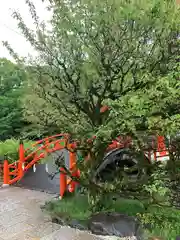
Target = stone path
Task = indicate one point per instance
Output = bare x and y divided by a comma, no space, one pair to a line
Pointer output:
22,219
21,216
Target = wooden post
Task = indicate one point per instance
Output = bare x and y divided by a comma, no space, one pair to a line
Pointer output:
62,179
72,161
21,160
47,145
72,168
6,173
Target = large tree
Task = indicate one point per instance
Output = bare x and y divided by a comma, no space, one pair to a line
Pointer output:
121,53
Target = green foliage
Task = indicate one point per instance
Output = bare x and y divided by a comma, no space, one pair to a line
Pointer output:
11,91
10,149
71,208
158,206
146,110
77,207
127,206
118,52
158,187
170,218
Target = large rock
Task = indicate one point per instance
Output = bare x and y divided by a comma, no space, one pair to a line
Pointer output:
115,224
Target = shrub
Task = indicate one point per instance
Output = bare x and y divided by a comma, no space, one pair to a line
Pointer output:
10,148
163,221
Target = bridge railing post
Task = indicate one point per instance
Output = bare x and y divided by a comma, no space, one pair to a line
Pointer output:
66,183
21,160
72,168
47,145
6,173
63,183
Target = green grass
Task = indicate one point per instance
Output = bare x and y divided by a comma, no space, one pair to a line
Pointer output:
165,221
77,207
127,206
73,208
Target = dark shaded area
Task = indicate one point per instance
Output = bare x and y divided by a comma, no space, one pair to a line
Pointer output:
40,179
115,224
74,223
114,161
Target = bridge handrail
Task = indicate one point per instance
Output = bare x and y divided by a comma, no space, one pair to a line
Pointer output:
22,165
65,135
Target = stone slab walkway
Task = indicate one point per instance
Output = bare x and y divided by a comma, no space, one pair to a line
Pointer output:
22,219
21,216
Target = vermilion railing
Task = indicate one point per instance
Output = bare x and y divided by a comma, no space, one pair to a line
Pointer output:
27,158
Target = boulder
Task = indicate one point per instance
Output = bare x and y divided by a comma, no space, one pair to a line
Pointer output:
115,224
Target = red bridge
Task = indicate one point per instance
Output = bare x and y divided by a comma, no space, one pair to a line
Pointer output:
14,172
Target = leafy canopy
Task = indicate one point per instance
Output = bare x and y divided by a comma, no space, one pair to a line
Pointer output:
116,52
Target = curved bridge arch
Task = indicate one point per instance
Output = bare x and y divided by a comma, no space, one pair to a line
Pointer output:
14,172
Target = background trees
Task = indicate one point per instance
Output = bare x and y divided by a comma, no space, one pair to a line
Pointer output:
12,79
13,91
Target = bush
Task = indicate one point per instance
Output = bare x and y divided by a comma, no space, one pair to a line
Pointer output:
10,149
163,221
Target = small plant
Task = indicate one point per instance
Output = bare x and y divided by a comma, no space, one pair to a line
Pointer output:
162,221
157,188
